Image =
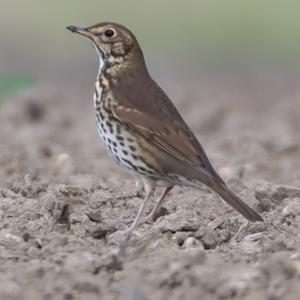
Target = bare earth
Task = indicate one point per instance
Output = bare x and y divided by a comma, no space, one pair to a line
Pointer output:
64,205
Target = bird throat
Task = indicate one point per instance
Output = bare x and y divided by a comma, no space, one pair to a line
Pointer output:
98,85
101,61
109,68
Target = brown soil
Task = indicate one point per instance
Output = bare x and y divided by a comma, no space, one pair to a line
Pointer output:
64,205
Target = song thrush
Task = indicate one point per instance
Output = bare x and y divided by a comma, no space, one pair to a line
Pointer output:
141,128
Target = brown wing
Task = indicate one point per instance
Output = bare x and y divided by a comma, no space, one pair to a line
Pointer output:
148,110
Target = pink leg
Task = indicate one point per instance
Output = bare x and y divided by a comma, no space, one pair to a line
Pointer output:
149,187
151,217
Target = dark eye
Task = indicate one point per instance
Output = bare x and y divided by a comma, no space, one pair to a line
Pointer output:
109,33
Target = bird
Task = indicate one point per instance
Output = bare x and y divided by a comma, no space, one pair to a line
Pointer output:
141,128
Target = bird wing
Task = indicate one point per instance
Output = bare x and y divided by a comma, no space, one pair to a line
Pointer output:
150,113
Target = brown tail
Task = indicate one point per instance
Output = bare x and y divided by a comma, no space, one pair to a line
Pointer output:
236,202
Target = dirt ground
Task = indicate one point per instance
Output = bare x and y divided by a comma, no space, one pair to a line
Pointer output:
64,206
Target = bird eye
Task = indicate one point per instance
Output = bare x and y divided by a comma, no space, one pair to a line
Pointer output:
109,33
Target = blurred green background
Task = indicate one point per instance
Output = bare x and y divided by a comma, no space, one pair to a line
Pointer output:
178,37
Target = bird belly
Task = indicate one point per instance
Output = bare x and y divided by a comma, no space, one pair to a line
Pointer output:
135,157
125,149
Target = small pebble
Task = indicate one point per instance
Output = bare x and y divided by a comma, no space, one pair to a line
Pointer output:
292,209
216,222
12,237
63,163
255,237
190,242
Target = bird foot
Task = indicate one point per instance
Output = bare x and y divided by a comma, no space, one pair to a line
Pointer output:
150,219
153,216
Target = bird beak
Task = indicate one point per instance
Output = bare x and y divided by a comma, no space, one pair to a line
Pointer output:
80,30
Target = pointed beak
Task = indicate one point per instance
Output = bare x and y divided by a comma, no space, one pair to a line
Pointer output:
80,30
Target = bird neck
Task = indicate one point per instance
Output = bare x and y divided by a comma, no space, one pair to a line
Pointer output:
113,69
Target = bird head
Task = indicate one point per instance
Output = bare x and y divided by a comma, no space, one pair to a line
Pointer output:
112,41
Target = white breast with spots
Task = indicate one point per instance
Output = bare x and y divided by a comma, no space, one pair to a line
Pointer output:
118,142
120,145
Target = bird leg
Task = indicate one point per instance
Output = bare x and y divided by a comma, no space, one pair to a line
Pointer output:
137,219
151,217
149,187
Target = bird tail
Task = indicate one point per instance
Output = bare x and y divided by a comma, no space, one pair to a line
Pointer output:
233,200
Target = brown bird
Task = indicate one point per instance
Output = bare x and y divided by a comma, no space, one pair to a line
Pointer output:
141,128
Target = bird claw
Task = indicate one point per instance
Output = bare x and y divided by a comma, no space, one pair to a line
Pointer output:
150,219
